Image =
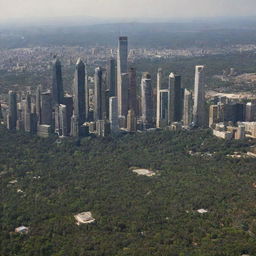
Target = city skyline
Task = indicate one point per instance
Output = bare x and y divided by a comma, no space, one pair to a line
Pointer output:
115,107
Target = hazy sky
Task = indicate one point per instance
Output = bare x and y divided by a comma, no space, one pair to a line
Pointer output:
126,8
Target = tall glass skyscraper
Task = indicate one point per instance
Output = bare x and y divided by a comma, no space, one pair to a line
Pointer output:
12,112
79,92
99,94
57,83
175,99
122,67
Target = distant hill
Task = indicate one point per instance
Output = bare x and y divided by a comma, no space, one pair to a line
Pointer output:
91,32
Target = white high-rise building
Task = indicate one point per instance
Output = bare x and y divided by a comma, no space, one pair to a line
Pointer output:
199,113
146,101
113,115
187,108
63,123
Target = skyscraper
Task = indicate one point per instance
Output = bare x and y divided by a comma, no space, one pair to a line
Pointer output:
33,119
102,128
63,124
79,92
122,67
213,115
57,83
111,74
68,102
123,95
164,108
99,95
38,103
199,113
75,127
27,119
86,96
1,113
46,108
146,100
133,91
188,108
158,99
113,114
12,111
131,121
175,100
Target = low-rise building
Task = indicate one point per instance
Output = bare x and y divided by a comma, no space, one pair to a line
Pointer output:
22,230
84,218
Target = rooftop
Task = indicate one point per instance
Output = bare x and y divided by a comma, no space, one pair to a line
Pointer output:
144,172
84,218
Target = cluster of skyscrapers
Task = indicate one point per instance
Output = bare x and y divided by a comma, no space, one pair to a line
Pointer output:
117,104
232,118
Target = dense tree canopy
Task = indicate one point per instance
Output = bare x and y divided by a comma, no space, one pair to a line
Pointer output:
135,215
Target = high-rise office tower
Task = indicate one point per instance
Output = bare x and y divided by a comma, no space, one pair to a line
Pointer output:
21,114
33,119
250,112
12,111
27,119
46,108
122,68
213,115
113,114
87,107
57,83
20,119
158,99
75,127
187,108
107,104
123,95
99,94
175,100
164,108
240,110
111,74
131,121
57,119
63,123
102,128
199,113
79,92
146,100
68,102
1,113
38,103
132,91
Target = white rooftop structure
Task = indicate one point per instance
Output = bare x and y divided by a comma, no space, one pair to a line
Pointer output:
84,218
202,211
144,172
22,230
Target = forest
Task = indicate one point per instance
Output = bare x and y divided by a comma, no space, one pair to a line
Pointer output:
135,215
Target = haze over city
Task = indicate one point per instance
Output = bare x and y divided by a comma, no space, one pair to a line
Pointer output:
164,9
127,127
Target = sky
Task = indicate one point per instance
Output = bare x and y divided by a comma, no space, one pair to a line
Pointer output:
11,9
